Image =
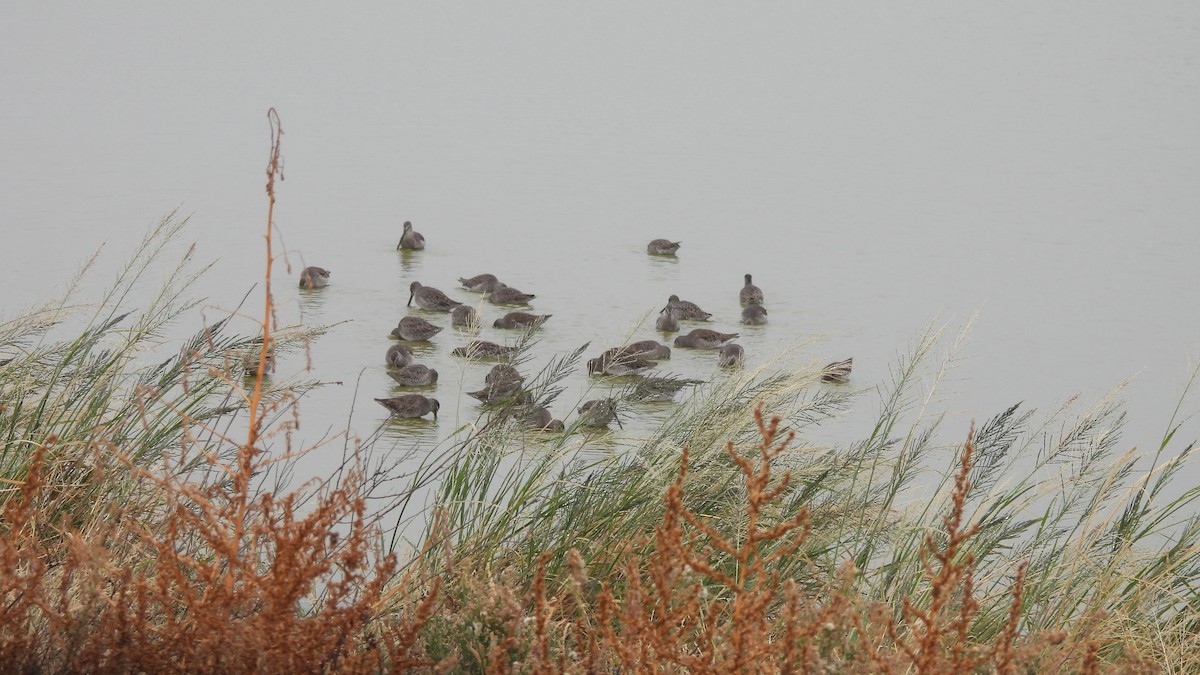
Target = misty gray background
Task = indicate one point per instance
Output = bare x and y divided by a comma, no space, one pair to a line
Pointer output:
876,166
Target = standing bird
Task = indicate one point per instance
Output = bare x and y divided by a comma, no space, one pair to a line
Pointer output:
314,277
430,298
838,371
687,311
668,320
411,239
663,247
703,338
754,315
521,320
410,405
415,329
731,355
751,294
399,356
416,375
464,316
481,283
507,295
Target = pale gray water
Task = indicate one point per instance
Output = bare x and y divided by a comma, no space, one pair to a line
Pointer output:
874,165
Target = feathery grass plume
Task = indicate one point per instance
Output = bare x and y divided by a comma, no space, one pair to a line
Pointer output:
514,507
112,382
138,536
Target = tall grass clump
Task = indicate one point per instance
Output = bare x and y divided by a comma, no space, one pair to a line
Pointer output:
138,533
1103,557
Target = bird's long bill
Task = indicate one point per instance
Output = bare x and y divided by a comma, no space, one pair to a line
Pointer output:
434,415
410,297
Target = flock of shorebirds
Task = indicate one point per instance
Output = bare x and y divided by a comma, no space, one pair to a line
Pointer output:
504,385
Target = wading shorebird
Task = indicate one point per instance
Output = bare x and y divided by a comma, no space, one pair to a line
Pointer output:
501,383
507,295
430,298
410,405
622,365
750,294
399,356
668,320
521,320
687,311
703,338
411,239
540,419
481,283
645,349
314,277
731,355
415,329
838,371
754,315
464,316
416,375
660,388
663,247
482,349
599,413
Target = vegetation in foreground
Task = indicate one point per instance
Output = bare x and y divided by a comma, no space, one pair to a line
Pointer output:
144,527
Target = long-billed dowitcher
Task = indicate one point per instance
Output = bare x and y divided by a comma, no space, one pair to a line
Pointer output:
750,294
646,349
703,338
499,395
754,315
501,383
430,298
410,405
731,355
663,247
399,356
416,329
687,311
618,365
838,371
411,239
251,358
507,295
660,388
503,373
314,277
538,418
668,320
481,283
464,316
598,413
521,320
482,349
415,375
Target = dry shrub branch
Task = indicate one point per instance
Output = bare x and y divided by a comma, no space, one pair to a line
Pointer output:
229,578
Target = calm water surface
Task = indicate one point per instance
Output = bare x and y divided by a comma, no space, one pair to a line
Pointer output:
876,167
